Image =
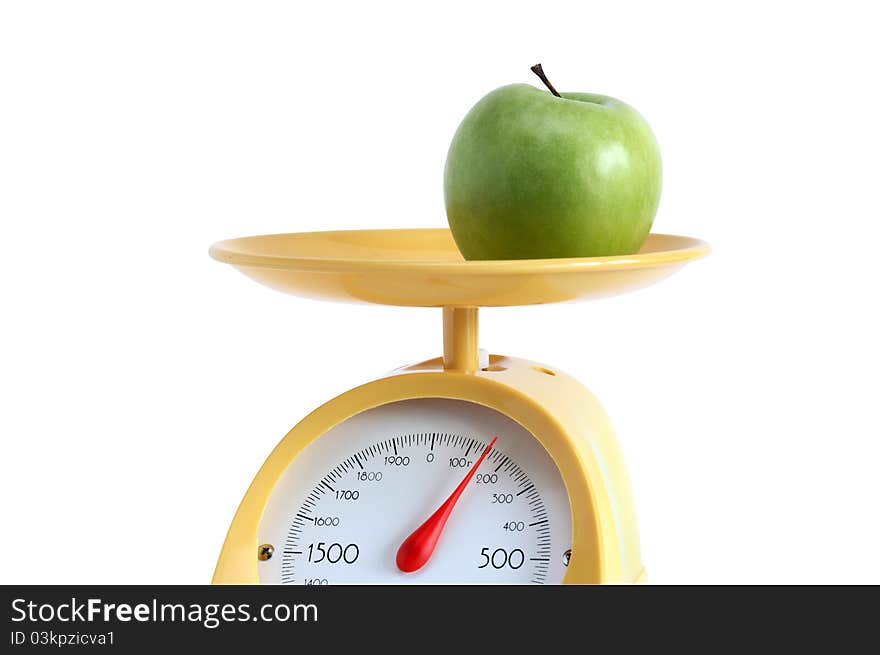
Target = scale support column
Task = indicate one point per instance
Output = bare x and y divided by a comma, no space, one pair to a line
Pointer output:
460,339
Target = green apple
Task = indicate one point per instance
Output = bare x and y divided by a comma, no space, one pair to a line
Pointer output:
531,174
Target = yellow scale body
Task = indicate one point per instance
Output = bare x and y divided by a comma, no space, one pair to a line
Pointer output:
423,268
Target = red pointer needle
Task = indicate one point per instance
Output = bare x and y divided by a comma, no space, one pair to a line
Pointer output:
417,549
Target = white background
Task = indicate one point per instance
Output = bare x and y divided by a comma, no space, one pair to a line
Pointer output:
142,384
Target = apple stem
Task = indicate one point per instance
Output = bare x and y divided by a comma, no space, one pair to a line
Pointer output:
539,71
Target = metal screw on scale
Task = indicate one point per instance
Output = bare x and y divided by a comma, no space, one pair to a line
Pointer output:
566,557
265,552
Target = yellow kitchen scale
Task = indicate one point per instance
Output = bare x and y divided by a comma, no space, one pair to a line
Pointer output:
467,468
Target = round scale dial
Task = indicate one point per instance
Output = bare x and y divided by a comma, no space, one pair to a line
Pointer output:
426,491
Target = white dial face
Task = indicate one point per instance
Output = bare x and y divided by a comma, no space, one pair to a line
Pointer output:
342,510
